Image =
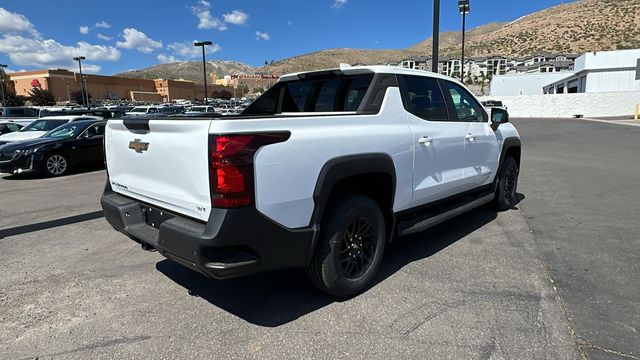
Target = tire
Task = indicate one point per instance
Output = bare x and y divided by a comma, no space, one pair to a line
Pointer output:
506,196
350,247
55,165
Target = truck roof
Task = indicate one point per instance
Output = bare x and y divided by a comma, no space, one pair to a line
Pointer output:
384,69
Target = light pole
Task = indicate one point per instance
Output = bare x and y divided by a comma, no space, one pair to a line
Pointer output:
79,60
436,35
464,8
68,94
85,79
204,65
4,101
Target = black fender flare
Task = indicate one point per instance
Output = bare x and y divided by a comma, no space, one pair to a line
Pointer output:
508,143
343,167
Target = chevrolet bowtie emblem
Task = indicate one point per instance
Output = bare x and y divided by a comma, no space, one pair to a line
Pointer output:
138,146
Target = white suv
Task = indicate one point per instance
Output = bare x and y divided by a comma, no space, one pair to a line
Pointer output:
320,172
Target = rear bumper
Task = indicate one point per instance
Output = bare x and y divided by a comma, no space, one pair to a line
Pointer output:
233,243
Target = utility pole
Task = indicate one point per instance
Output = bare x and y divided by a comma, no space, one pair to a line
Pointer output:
79,60
68,94
436,35
204,65
464,8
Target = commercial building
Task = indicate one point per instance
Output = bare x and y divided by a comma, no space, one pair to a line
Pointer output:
594,72
61,83
599,72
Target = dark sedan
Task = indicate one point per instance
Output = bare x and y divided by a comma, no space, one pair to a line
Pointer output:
53,154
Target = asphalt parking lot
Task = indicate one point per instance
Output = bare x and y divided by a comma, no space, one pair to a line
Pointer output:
555,278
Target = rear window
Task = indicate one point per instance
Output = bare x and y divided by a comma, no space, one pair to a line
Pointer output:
329,94
44,125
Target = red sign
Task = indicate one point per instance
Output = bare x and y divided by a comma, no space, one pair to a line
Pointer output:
35,83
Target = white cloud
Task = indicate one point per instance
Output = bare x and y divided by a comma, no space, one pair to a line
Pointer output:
104,37
86,68
164,58
207,21
103,25
185,50
13,22
289,23
84,30
50,54
136,39
236,17
338,4
262,36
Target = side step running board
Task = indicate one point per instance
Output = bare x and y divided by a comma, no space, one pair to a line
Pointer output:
424,224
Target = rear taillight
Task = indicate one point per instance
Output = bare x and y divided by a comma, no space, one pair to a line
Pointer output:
231,167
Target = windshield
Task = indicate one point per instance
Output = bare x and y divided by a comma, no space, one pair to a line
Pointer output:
139,109
68,131
44,125
198,109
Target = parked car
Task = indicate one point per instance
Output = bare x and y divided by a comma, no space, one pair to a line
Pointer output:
74,143
325,169
21,115
143,110
8,127
488,104
18,112
201,109
41,127
163,111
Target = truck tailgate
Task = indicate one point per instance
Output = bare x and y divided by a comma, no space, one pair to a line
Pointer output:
166,166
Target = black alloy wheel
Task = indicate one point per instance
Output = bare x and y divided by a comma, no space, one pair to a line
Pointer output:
506,192
357,247
350,246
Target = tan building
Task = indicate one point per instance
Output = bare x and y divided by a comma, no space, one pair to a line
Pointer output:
63,82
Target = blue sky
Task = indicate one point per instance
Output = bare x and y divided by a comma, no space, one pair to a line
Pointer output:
118,35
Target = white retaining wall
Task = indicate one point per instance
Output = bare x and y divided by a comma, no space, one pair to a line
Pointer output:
568,105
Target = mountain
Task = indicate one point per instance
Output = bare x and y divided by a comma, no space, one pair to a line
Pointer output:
189,70
332,58
576,27
454,38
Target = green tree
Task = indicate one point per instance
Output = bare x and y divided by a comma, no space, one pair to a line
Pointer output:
41,97
243,88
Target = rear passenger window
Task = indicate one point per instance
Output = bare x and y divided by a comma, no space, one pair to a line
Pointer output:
422,97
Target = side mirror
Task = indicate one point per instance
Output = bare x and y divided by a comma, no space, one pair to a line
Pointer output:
498,116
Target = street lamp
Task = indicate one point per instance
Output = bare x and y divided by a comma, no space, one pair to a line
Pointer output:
436,35
464,8
4,102
204,65
79,60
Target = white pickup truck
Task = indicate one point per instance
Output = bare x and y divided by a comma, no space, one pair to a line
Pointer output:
320,172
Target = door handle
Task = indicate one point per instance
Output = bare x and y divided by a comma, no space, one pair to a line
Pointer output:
426,141
470,137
